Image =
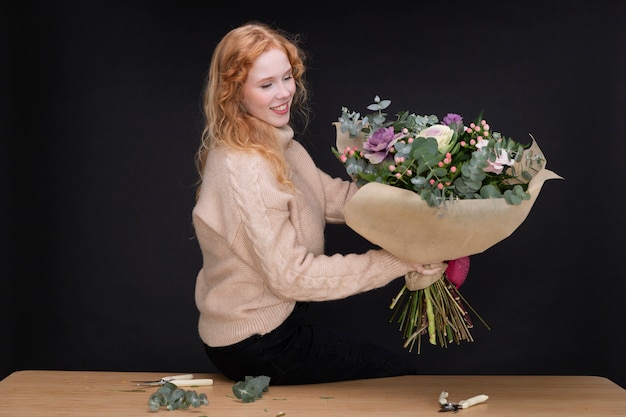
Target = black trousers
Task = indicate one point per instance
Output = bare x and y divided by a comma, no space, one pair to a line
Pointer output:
298,353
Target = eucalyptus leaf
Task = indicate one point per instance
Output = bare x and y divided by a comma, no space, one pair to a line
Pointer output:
490,191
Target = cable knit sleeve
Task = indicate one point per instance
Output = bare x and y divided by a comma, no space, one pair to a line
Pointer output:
337,193
286,231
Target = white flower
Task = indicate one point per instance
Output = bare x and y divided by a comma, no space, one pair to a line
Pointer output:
442,134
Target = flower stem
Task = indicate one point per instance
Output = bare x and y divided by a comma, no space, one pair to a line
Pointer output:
439,310
432,333
395,300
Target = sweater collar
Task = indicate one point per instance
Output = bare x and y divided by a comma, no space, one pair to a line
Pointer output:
285,134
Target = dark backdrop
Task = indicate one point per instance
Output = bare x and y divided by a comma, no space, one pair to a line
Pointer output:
101,118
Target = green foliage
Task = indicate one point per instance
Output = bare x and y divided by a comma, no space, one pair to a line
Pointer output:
251,388
172,397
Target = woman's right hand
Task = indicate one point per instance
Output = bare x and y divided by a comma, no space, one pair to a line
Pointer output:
424,275
430,268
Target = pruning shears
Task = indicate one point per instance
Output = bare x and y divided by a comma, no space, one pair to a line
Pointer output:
461,405
186,380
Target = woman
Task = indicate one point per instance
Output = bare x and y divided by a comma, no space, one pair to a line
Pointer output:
261,209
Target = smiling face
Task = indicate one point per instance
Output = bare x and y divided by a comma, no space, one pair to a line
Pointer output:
269,88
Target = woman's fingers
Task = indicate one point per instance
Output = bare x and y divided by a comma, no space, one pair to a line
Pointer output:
416,281
431,268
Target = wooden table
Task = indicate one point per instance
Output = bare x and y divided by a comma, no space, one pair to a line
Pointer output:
78,393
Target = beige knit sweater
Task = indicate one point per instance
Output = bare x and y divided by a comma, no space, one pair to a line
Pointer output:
263,246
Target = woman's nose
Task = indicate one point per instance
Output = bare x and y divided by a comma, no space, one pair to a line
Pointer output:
283,90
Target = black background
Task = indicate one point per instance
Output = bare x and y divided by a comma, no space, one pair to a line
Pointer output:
101,118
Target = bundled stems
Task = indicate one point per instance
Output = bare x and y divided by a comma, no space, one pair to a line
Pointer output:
438,310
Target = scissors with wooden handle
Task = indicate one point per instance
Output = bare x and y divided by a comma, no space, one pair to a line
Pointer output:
186,380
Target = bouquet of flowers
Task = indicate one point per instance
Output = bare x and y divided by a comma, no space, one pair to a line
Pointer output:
432,190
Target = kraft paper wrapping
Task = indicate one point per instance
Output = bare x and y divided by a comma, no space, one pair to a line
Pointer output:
399,221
